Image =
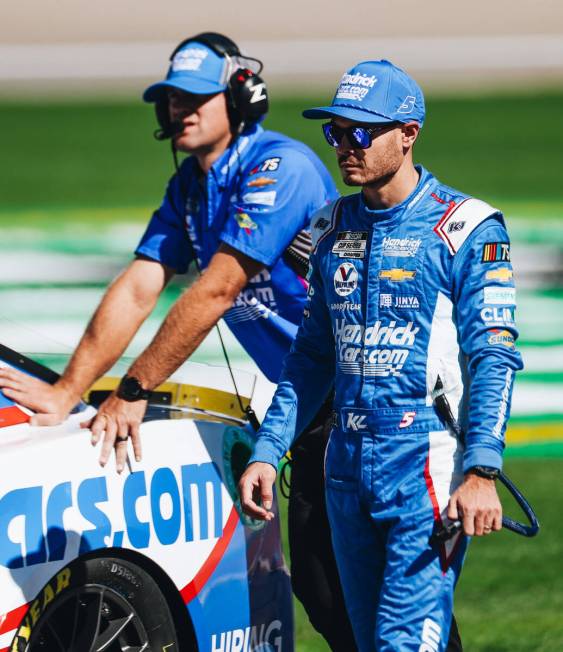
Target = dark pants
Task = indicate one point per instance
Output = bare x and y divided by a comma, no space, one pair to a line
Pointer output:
313,569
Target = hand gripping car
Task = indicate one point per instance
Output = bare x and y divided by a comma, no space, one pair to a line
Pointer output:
159,558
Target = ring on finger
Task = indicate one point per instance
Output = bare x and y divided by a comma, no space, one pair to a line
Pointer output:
120,439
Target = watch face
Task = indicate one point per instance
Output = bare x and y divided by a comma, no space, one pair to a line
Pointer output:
130,389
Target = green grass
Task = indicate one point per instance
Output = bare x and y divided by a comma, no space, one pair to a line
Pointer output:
97,161
510,595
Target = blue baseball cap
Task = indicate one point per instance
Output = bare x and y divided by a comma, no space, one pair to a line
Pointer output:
374,92
195,68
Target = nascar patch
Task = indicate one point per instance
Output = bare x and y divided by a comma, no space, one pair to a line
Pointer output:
496,252
350,244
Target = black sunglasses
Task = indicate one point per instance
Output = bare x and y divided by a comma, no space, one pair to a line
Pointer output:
361,137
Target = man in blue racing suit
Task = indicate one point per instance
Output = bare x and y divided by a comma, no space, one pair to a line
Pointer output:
411,289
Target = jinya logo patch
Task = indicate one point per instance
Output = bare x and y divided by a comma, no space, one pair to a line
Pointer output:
345,279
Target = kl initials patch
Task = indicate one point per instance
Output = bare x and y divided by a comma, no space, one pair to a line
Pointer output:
496,252
356,421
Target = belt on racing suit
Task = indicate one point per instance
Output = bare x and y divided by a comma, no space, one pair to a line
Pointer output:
416,418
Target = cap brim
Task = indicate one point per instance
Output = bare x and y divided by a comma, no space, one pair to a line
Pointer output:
186,84
348,112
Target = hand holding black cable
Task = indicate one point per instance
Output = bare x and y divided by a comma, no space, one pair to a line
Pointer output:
446,532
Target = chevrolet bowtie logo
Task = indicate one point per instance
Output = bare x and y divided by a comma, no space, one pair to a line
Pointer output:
503,275
397,274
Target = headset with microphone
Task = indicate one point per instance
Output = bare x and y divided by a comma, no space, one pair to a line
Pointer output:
246,92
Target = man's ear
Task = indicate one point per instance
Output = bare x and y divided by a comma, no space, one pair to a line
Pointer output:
410,132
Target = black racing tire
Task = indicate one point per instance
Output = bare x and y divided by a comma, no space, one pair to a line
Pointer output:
99,603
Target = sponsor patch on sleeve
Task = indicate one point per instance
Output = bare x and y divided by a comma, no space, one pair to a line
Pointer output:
496,252
269,165
502,274
503,337
499,296
245,222
260,182
267,198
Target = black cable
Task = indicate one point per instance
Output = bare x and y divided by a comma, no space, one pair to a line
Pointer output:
248,410
445,532
285,482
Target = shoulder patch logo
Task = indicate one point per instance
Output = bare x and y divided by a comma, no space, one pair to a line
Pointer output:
260,182
496,252
321,224
459,221
269,165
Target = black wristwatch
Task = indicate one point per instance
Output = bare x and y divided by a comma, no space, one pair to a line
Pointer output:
488,472
130,389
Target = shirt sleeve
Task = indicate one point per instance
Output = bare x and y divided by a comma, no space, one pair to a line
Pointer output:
306,379
274,200
485,300
165,239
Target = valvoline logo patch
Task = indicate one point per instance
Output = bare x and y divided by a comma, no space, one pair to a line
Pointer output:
345,279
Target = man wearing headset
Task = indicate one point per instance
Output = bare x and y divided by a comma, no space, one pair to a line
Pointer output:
239,207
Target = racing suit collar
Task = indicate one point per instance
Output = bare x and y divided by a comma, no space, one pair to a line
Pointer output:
425,181
232,160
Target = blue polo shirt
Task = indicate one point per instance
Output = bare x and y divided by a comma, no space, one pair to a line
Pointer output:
256,198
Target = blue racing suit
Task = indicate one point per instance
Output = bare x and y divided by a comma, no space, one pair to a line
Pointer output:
398,298
256,197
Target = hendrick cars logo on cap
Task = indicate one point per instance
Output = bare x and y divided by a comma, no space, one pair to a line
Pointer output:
189,59
355,87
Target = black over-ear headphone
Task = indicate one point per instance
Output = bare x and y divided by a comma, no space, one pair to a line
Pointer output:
247,95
